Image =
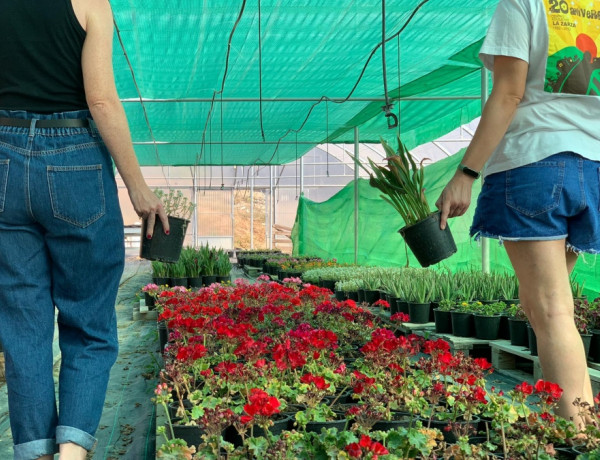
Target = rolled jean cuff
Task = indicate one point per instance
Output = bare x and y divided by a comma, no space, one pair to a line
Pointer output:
35,449
65,434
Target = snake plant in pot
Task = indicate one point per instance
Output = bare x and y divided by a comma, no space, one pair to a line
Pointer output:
401,183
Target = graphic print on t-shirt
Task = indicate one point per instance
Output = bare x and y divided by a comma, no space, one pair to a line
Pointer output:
573,65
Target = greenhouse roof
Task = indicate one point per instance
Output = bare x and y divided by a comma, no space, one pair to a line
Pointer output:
277,90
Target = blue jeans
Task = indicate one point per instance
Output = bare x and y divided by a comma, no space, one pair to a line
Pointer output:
552,199
61,245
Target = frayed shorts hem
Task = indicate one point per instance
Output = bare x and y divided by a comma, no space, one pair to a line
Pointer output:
35,449
570,247
65,434
478,235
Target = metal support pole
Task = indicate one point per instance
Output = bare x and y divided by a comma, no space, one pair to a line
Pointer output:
251,207
302,176
485,242
271,207
356,176
195,201
275,205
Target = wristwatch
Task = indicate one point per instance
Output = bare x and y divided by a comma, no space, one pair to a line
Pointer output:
468,171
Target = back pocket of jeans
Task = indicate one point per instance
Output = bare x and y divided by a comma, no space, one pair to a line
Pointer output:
4,165
76,193
536,188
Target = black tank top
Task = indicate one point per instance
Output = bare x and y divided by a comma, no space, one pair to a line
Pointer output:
40,56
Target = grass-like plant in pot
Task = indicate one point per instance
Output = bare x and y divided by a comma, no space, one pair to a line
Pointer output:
401,182
167,248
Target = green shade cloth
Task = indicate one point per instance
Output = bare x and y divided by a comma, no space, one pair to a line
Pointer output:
310,49
327,230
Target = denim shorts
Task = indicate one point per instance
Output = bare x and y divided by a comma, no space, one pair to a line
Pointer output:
553,199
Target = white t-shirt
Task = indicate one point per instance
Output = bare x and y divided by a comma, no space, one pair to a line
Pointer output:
560,110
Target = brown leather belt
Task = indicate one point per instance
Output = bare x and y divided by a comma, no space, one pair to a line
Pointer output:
56,123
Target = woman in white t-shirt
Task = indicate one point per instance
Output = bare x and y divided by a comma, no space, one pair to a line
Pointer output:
539,142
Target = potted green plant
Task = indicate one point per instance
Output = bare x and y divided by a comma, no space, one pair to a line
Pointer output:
222,266
486,319
401,182
160,273
517,324
167,248
418,296
462,319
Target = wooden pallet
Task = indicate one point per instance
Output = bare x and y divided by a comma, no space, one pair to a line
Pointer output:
464,344
504,357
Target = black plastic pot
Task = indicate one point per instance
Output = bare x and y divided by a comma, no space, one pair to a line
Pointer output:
183,281
402,306
486,327
223,278
192,435
207,280
163,334
340,295
518,332
166,248
462,324
315,427
595,346
329,284
428,243
587,341
443,321
150,301
393,305
195,281
352,295
371,296
160,280
532,340
418,312
280,424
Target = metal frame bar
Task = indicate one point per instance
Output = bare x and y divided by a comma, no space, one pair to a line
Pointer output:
338,100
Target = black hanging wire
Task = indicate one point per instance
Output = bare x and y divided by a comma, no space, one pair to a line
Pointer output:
222,181
325,98
139,93
327,128
392,119
399,89
260,109
220,91
296,165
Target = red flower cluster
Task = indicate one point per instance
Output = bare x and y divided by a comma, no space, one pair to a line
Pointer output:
524,388
365,447
191,352
261,404
548,392
316,380
400,317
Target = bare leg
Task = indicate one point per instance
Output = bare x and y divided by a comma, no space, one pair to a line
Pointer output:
46,457
71,451
542,268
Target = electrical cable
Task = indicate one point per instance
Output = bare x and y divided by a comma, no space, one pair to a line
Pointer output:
341,101
392,119
260,109
212,103
139,93
327,128
222,183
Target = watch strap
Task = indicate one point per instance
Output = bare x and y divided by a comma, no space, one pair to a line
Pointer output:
468,171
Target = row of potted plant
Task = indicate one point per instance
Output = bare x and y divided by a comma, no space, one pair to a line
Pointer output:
196,267
282,371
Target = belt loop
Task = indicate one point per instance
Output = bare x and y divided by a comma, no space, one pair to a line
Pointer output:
93,128
32,127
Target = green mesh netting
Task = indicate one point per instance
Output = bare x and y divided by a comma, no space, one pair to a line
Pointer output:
309,49
327,230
